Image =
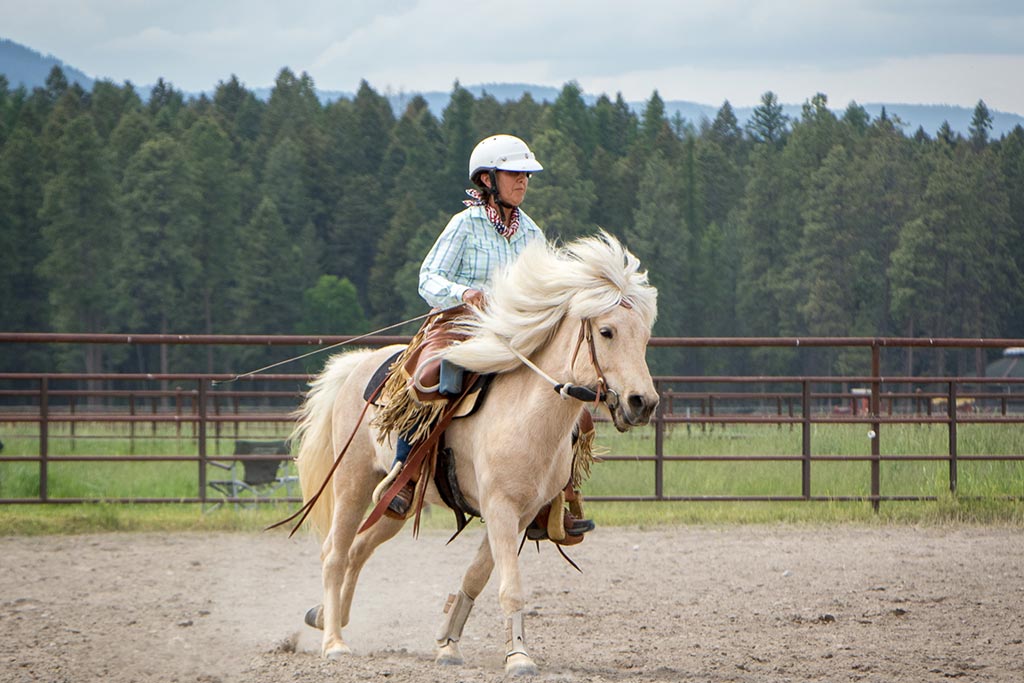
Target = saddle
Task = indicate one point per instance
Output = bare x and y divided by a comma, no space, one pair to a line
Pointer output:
467,406
408,389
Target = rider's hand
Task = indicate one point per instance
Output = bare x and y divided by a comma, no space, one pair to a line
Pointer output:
473,297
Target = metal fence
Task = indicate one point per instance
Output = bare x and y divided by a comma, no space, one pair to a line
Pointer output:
208,412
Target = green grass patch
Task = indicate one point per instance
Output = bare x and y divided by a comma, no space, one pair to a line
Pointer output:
989,492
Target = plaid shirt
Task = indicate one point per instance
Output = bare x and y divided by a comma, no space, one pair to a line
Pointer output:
467,253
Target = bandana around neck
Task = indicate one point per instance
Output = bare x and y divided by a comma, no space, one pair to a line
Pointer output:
494,215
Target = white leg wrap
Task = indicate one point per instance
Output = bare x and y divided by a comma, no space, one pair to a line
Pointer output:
456,611
515,635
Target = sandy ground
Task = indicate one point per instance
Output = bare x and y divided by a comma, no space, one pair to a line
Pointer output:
761,603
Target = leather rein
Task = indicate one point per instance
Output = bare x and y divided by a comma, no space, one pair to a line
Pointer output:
570,390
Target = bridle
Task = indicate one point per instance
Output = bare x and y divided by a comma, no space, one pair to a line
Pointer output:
602,393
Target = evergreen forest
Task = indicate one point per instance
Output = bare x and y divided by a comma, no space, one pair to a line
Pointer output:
227,214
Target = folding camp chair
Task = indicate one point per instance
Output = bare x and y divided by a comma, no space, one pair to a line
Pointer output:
257,479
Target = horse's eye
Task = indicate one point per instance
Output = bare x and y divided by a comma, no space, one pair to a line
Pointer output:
607,333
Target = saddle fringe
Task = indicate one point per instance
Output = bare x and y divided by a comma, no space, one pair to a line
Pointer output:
401,411
584,455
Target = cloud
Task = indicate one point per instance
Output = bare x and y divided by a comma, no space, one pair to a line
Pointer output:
705,50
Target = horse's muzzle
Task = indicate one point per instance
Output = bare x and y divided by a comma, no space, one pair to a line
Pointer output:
634,412
640,408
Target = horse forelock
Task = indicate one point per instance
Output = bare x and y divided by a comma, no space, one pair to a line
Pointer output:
583,279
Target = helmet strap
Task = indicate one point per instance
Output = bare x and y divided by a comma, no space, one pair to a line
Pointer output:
493,191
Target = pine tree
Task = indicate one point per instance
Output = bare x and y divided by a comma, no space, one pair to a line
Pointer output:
356,224
856,118
660,239
108,103
388,300
953,266
522,118
981,124
165,105
22,291
1011,160
83,238
653,122
271,278
161,268
615,125
460,135
561,198
768,123
571,117
488,116
373,121
218,209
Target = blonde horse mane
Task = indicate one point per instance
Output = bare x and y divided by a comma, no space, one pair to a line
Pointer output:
584,278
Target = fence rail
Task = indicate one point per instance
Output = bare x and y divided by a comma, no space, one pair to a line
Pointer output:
208,409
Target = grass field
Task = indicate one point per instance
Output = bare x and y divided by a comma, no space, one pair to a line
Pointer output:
988,491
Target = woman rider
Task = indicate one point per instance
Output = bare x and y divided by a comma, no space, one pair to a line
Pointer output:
489,234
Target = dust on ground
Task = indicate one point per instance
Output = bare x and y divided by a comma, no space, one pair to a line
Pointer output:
737,603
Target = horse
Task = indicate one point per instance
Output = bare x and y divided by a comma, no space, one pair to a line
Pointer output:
514,454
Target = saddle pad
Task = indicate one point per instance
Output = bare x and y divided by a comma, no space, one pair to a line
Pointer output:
379,375
473,400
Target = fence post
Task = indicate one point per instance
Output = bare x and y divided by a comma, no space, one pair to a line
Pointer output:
201,436
44,438
71,406
951,412
805,391
659,444
131,423
876,374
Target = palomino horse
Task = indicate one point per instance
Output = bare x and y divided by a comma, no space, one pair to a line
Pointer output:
514,454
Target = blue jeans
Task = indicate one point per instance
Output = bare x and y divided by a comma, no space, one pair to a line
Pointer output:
402,450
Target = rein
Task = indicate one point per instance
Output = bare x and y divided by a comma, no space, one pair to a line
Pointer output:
568,389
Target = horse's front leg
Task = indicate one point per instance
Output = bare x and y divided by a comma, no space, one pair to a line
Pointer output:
458,606
503,529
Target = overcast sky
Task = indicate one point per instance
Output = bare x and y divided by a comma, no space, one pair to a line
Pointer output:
907,51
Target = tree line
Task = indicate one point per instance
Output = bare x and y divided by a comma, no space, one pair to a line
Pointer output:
227,214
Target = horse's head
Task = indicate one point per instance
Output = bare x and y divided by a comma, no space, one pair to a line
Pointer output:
611,357
618,308
593,282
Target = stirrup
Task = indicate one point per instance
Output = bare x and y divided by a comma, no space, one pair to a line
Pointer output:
401,504
574,530
386,482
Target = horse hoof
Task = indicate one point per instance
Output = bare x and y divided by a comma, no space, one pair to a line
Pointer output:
520,665
449,655
337,652
315,617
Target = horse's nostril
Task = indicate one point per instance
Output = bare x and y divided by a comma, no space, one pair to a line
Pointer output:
637,402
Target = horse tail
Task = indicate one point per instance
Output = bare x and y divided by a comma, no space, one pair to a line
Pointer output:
314,433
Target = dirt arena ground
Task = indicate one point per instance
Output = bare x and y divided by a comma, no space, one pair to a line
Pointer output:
760,603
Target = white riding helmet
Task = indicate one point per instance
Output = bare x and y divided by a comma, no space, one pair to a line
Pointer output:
502,153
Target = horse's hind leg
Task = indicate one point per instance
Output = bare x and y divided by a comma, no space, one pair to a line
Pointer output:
458,606
362,548
348,510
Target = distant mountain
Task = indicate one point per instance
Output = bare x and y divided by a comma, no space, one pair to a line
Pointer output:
24,66
928,116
